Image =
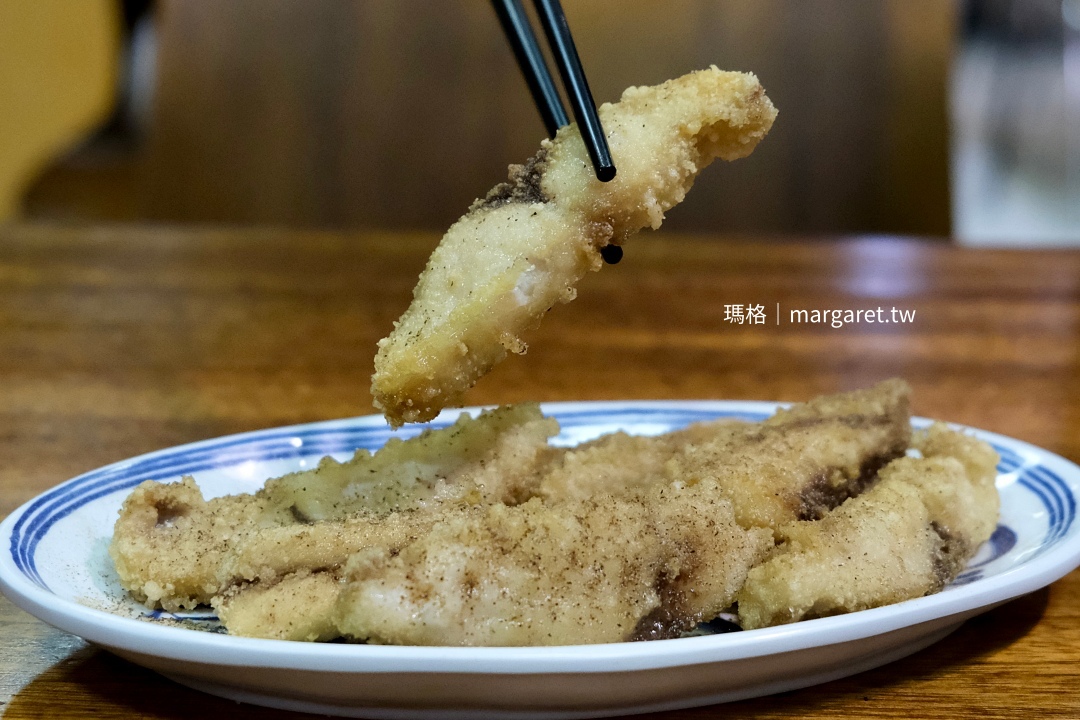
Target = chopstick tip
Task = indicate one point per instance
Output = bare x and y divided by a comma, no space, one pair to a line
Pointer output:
611,254
605,173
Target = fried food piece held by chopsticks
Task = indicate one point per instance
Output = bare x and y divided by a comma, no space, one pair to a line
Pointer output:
523,248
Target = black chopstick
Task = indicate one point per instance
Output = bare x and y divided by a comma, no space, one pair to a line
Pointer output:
530,59
581,99
532,64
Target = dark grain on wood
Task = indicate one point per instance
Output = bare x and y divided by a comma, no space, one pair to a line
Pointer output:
367,114
118,341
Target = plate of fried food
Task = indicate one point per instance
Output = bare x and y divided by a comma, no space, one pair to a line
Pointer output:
565,560
560,560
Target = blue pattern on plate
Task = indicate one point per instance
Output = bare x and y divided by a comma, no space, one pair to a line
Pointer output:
1002,541
345,437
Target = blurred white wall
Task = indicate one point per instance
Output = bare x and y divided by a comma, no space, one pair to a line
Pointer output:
1016,124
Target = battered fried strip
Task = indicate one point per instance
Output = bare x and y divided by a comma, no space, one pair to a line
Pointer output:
186,560
771,466
619,463
908,536
653,551
669,555
498,575
708,557
523,248
702,565
174,549
599,570
170,544
805,460
269,553
298,607
976,517
616,463
497,457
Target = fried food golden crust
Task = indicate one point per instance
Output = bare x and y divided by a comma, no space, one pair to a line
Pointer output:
526,575
169,543
523,248
646,565
483,534
600,570
908,536
707,556
805,460
704,554
961,515
174,549
618,463
497,458
615,463
298,606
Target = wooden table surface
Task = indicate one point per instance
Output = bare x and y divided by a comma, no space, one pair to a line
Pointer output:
117,341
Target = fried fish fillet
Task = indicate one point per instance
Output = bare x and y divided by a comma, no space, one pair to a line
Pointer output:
672,551
298,606
601,570
619,463
588,571
708,556
629,545
527,575
796,465
484,534
523,248
654,537
804,460
908,536
173,548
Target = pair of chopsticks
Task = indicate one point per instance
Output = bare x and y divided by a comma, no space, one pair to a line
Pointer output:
531,60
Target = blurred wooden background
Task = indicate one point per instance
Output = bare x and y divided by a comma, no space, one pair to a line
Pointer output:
398,113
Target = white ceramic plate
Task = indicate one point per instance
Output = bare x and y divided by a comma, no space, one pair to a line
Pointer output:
56,567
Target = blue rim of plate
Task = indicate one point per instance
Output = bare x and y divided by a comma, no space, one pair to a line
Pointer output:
31,522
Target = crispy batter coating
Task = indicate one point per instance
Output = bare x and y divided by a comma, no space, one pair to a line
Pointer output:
523,248
908,536
962,515
805,460
169,545
298,606
603,569
173,548
707,554
525,575
619,463
497,458
483,534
